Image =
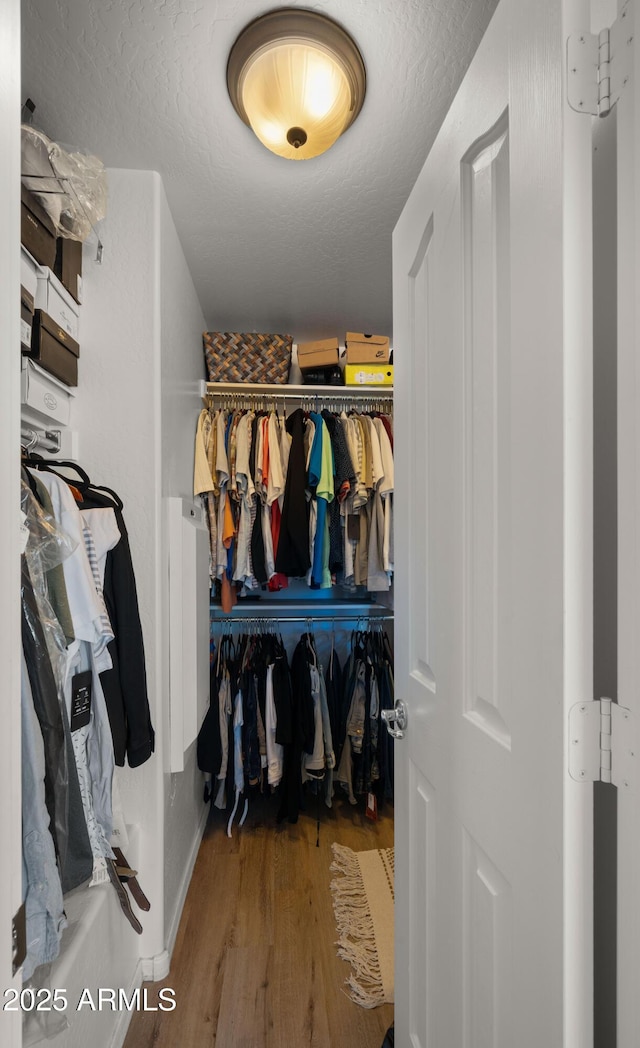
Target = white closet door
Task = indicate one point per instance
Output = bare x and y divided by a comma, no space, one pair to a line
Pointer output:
492,332
10,816
628,168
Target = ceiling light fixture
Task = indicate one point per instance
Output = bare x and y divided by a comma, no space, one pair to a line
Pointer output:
298,80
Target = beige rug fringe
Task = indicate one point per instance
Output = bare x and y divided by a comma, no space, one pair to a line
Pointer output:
356,937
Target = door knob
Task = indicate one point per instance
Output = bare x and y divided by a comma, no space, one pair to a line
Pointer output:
398,716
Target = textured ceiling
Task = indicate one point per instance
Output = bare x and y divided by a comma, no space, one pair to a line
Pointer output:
272,244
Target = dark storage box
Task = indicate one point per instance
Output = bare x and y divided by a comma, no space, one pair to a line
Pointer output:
54,349
330,376
37,231
252,357
68,266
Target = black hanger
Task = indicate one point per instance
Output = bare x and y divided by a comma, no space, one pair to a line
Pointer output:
109,491
35,461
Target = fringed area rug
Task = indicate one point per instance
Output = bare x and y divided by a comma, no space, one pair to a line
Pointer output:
362,891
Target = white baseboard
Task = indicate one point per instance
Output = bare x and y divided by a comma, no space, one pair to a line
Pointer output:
184,887
156,968
123,1017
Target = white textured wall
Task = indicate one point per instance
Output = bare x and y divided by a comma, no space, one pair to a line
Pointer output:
182,368
137,404
117,417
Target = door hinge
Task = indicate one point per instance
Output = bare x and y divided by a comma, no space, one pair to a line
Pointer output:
599,65
19,938
602,743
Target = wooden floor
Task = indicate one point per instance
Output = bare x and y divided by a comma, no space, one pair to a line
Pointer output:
255,963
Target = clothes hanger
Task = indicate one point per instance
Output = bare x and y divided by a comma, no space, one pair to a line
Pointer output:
37,462
109,491
29,446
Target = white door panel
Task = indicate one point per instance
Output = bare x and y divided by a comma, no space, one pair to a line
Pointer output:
10,791
493,582
628,170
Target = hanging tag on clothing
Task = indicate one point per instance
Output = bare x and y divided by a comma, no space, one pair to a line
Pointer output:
372,807
80,700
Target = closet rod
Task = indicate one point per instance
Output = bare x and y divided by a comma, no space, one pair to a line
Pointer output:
48,439
302,618
211,390
326,607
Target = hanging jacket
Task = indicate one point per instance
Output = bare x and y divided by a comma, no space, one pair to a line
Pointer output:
209,745
293,547
302,733
47,706
125,685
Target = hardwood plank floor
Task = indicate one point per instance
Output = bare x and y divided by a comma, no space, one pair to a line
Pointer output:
255,962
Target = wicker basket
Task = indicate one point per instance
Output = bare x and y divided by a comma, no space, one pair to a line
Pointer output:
233,357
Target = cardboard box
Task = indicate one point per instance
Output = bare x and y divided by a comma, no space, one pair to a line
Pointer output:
45,395
368,375
54,349
318,354
68,266
37,231
56,301
366,349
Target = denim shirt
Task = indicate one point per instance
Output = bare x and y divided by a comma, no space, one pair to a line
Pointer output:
40,879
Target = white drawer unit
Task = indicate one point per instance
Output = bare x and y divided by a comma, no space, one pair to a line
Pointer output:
44,396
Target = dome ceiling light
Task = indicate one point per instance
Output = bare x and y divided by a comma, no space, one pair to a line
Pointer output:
298,80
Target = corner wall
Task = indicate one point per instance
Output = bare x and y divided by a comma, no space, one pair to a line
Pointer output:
182,368
116,414
135,416
10,790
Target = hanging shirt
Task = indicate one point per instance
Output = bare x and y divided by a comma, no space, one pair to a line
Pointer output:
84,604
222,462
202,480
353,433
314,761
278,580
275,752
238,766
92,743
285,447
377,471
212,452
377,578
41,888
321,481
292,557
386,492
224,713
246,490
275,481
267,539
